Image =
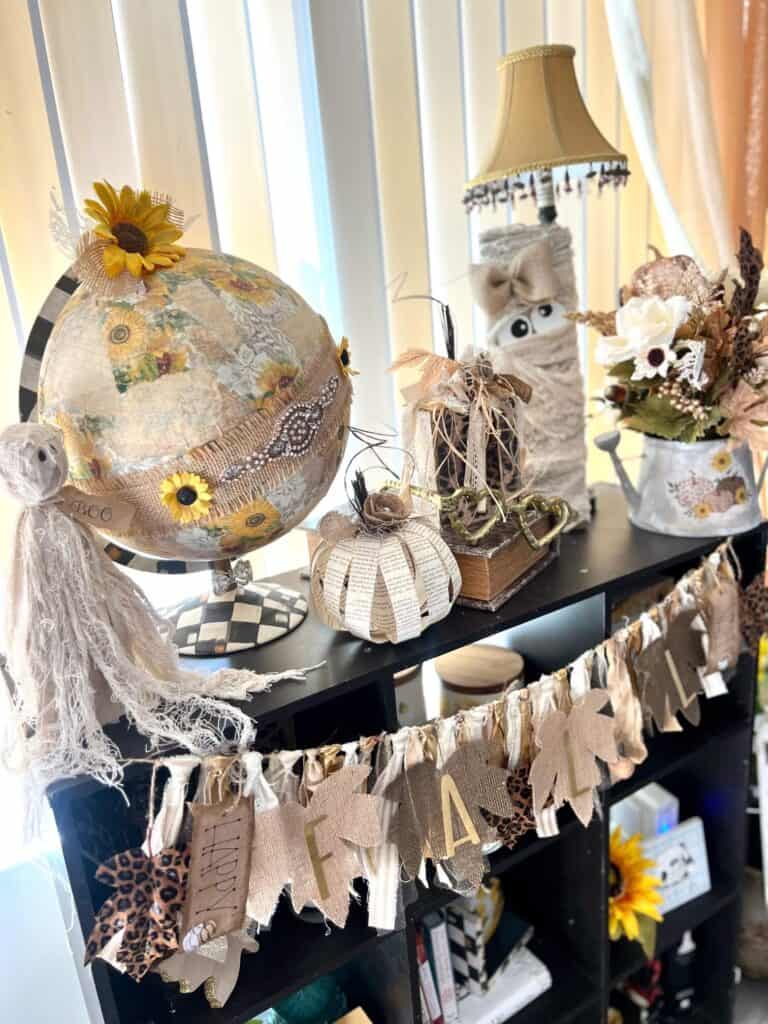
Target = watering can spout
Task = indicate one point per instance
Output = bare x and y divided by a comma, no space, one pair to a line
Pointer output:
609,442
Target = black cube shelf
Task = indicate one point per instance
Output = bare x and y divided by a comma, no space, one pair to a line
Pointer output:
560,884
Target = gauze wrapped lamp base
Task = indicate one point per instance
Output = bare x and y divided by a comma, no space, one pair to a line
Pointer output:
545,146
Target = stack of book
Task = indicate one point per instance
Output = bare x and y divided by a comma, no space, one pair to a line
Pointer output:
472,973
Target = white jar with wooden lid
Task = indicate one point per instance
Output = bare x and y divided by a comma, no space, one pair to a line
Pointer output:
477,674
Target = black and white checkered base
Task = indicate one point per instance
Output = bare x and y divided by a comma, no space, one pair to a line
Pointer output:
245,617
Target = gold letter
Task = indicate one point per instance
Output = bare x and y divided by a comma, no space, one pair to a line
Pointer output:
449,794
315,856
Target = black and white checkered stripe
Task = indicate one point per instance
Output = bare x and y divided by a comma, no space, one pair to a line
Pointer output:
29,384
467,954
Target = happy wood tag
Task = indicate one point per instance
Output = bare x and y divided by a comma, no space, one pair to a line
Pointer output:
100,512
220,855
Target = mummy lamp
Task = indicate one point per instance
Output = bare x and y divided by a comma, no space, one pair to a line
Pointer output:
546,146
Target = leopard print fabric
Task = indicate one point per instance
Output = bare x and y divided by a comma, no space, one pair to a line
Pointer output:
146,907
510,830
754,613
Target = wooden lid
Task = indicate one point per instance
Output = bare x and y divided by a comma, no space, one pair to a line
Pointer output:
479,668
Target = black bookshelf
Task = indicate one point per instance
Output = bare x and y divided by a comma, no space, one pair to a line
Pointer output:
560,884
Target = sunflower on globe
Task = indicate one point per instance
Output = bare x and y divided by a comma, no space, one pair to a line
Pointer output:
133,229
633,902
186,496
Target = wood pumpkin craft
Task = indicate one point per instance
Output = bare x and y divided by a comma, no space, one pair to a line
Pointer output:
385,574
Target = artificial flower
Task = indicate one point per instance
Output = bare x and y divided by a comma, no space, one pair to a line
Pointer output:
138,228
721,460
187,496
702,510
653,361
746,414
642,322
632,891
344,358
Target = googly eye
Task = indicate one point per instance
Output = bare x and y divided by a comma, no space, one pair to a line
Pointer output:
41,455
520,327
547,317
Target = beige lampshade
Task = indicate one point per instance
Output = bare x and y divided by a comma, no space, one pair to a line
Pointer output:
542,123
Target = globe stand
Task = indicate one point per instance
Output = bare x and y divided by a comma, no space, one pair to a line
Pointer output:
237,614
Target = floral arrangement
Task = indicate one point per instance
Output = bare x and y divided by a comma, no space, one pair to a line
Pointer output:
687,365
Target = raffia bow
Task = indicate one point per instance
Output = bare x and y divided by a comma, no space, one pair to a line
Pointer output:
528,278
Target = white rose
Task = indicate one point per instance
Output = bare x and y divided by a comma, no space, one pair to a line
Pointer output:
642,322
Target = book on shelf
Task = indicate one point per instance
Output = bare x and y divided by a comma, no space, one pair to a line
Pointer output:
439,953
427,983
524,979
465,939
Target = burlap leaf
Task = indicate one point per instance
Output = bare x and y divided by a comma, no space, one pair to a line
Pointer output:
721,614
145,908
668,672
440,814
310,848
627,710
754,613
565,768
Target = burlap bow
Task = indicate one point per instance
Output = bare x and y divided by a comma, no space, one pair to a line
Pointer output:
528,278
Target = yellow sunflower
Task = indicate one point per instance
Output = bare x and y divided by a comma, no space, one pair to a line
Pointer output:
740,495
632,890
721,461
126,333
253,522
187,496
248,287
344,358
141,234
276,378
702,510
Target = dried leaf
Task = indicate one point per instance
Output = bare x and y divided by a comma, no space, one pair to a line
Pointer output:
744,409
750,268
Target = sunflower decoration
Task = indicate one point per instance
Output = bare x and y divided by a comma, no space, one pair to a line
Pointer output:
344,358
254,522
276,380
187,496
702,510
722,460
633,902
134,234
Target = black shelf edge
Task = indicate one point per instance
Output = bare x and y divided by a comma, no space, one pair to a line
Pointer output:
628,957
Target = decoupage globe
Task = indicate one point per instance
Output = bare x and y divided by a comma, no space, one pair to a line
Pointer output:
213,407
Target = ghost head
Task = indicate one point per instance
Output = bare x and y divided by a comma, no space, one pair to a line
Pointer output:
33,463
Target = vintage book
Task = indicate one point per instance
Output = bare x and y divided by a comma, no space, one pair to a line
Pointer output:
438,950
496,568
427,982
525,979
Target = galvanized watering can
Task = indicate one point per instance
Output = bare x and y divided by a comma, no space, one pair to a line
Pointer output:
703,489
